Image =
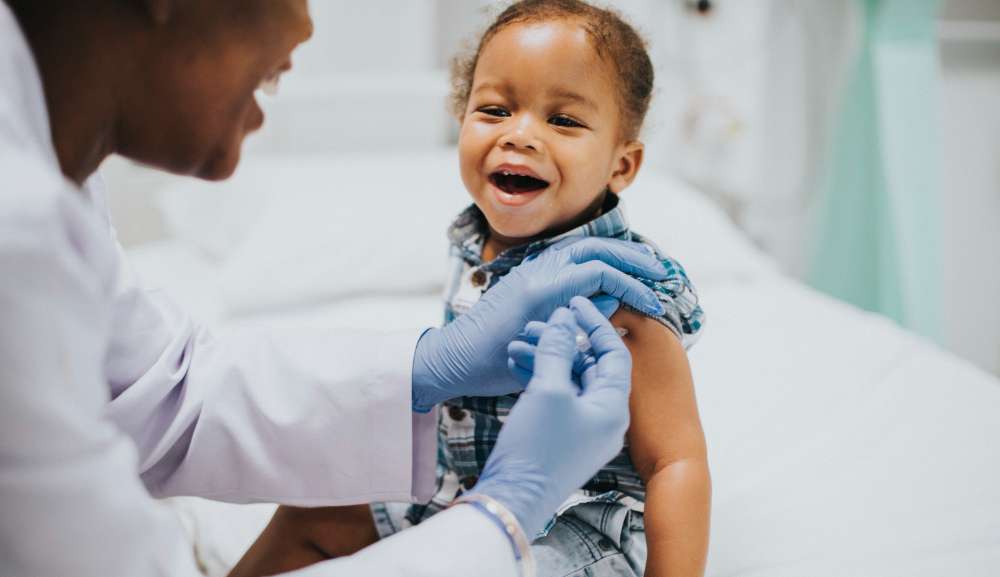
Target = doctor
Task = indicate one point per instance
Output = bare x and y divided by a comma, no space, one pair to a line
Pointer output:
110,396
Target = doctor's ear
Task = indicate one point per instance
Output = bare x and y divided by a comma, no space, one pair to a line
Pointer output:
626,167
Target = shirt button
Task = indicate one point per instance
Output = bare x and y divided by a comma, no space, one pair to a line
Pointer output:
456,414
478,278
469,482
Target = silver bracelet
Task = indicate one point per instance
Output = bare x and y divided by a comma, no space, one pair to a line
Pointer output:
511,528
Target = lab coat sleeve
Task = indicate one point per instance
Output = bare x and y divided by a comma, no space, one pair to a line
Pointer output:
302,416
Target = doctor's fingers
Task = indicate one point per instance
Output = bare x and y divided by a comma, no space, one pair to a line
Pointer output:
522,354
604,338
613,373
594,277
521,359
554,355
608,305
629,257
520,374
531,333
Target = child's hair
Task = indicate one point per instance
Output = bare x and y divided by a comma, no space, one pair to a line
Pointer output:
614,40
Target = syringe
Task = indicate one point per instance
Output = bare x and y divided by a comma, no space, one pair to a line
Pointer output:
586,358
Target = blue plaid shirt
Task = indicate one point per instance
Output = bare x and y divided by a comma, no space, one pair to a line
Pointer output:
468,427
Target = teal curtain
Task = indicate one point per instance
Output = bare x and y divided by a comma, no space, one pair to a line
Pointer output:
878,231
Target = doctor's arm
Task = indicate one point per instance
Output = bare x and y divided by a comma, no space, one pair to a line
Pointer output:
265,415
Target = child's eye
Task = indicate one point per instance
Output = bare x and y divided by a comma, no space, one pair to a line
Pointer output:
564,121
495,111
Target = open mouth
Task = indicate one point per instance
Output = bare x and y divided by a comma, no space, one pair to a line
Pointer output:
516,183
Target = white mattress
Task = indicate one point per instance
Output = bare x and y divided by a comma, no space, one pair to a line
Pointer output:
839,444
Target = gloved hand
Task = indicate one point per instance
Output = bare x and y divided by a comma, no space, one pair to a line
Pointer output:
468,357
557,436
521,351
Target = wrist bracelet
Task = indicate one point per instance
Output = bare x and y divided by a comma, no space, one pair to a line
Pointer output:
511,528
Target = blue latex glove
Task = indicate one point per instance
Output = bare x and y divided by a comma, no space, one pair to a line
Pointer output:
468,357
521,351
557,435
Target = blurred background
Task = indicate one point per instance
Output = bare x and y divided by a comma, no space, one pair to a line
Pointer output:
856,142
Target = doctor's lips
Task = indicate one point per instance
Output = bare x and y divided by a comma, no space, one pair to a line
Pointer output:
517,180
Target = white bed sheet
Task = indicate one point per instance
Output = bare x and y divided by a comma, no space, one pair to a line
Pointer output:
841,445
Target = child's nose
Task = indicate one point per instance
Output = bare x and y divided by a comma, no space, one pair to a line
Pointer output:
521,135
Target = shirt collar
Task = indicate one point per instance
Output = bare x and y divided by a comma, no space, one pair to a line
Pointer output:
469,230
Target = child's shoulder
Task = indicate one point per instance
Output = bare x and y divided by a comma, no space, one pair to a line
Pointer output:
675,270
682,314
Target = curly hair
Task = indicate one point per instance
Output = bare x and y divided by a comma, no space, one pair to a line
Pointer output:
614,40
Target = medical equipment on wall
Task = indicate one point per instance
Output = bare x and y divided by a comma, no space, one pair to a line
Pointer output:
715,58
700,6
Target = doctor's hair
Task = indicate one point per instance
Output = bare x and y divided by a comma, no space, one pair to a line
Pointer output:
614,40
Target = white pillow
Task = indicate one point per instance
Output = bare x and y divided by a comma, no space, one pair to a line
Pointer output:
215,217
336,227
690,227
298,230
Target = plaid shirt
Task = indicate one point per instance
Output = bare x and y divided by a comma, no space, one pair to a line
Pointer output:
468,427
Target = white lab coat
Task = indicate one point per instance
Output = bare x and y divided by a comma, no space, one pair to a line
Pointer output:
109,396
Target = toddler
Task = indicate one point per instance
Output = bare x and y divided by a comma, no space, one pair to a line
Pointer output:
551,104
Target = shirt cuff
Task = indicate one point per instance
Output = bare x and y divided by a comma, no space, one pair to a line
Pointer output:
424,455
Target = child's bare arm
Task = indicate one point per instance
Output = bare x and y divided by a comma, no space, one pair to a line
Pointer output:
298,537
667,446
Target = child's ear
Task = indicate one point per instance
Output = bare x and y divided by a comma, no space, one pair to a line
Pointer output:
626,166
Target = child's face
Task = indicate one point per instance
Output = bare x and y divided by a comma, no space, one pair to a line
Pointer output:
541,137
